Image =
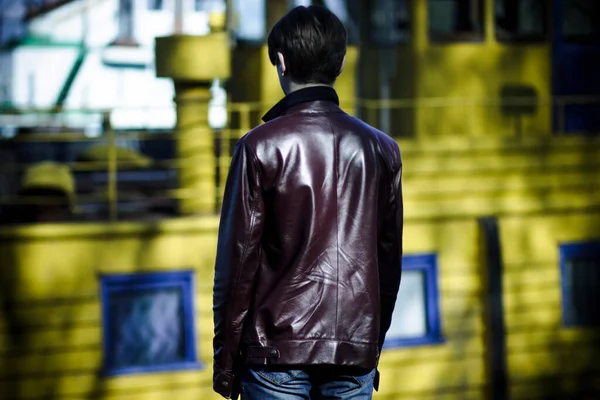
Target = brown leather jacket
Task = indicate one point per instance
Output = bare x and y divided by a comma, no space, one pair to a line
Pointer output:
310,242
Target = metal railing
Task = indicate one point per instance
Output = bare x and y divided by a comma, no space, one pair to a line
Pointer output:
146,180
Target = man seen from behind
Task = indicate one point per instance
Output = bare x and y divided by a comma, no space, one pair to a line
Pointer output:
310,241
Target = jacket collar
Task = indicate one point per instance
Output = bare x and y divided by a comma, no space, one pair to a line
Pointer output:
312,93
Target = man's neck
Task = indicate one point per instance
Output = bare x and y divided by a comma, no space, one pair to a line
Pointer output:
306,93
297,86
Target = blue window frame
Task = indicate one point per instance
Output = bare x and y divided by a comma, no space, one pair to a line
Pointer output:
580,283
416,319
148,322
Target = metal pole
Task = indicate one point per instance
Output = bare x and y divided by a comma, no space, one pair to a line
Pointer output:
561,115
178,25
112,173
384,89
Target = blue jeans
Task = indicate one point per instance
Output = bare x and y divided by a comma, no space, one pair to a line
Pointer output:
304,383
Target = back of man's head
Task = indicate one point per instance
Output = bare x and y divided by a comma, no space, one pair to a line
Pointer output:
312,41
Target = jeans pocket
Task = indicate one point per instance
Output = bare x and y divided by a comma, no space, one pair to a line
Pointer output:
277,377
365,378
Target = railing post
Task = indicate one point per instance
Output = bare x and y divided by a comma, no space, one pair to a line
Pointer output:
112,171
470,105
560,105
245,124
371,114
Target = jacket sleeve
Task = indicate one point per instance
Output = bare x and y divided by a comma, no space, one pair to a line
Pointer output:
390,254
238,254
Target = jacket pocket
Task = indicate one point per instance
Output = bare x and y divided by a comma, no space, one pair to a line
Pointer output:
363,379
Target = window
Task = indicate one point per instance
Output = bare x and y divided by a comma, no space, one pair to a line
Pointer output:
125,19
125,35
155,5
148,322
251,20
13,23
523,20
581,20
455,20
580,270
346,10
416,319
208,6
389,22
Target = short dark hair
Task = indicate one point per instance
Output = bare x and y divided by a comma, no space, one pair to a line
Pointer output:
313,42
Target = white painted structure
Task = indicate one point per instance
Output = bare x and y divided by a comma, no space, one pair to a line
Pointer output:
116,77
77,39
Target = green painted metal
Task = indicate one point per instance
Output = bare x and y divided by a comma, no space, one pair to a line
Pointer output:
66,88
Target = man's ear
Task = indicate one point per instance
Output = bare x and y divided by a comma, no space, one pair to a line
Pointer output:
282,65
343,65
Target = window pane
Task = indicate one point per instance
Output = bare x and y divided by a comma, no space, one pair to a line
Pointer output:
581,19
525,19
146,328
455,20
155,4
251,20
341,9
125,19
209,6
582,280
12,23
410,317
345,11
389,21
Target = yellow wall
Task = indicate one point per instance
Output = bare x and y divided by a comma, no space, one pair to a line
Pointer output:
545,192
458,83
50,276
454,369
50,331
479,71
457,86
545,358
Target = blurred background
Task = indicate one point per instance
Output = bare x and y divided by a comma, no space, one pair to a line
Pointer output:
117,123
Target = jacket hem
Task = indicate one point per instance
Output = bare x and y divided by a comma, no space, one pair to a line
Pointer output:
314,352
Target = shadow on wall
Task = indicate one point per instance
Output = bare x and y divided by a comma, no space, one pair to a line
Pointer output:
546,358
50,328
518,102
12,329
37,333
46,194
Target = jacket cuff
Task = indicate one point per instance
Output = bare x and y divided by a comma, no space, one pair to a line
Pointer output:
223,384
